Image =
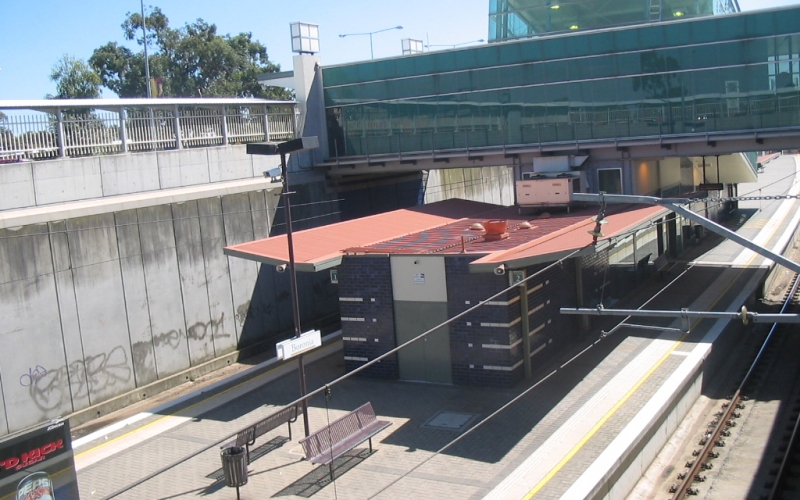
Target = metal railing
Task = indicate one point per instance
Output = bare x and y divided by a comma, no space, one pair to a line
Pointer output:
106,126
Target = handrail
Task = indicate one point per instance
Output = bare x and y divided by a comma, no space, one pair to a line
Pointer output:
90,127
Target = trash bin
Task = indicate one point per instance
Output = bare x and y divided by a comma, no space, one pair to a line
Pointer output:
234,466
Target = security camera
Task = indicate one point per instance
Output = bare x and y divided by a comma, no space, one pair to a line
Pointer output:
500,270
273,174
281,268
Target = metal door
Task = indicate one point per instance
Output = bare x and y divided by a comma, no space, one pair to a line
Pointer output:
428,359
420,303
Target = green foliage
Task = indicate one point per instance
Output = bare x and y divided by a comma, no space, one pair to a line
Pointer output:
192,61
75,79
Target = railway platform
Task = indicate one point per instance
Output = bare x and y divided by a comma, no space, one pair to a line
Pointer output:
586,426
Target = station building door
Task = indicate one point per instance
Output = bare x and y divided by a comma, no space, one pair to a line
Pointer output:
420,302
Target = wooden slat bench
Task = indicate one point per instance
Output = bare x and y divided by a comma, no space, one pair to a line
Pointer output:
663,266
342,435
247,436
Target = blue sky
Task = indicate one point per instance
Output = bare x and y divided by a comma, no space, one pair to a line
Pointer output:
34,34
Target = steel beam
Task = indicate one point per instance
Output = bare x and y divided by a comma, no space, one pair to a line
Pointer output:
743,314
674,204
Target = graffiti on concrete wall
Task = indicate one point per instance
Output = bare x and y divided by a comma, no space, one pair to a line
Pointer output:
200,330
50,388
27,379
248,311
197,331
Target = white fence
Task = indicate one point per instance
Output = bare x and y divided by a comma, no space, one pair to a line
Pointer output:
89,132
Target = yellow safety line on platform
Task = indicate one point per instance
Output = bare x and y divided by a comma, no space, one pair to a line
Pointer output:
184,410
546,479
555,470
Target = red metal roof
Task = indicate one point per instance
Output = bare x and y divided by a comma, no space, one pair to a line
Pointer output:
322,247
444,228
570,237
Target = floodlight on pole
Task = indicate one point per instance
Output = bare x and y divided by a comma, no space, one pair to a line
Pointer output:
411,46
454,45
371,52
305,38
283,149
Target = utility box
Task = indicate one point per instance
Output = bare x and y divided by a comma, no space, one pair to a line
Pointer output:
545,191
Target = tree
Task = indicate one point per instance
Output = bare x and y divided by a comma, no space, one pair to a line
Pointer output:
191,61
6,136
74,79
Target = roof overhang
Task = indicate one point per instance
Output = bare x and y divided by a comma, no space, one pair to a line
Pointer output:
568,240
323,247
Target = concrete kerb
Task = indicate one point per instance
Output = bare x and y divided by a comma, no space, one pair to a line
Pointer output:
140,393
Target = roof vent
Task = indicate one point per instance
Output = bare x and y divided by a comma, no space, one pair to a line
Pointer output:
495,230
524,225
476,227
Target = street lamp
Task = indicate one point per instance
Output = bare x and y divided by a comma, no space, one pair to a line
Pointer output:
282,149
146,60
371,53
454,45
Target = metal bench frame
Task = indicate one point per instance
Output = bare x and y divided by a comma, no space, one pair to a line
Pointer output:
662,265
247,436
342,435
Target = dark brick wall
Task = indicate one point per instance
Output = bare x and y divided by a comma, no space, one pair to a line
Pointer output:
498,325
594,275
548,292
467,336
368,278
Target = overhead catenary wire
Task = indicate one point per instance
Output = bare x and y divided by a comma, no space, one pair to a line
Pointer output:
326,387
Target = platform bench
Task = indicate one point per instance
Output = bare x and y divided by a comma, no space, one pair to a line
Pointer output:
342,435
663,266
247,436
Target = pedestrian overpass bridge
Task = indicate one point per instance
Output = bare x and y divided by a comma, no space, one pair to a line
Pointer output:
688,88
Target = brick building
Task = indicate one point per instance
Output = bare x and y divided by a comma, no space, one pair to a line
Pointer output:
404,272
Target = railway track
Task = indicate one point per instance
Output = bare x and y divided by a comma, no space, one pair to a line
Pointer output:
749,446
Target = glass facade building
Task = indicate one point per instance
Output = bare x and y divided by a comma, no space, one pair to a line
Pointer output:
512,19
708,75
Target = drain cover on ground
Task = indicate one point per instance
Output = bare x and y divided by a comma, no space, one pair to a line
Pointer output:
450,421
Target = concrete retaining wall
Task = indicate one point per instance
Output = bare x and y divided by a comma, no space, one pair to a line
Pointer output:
484,184
94,307
30,184
112,304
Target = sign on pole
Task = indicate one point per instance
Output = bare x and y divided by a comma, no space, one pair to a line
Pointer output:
298,345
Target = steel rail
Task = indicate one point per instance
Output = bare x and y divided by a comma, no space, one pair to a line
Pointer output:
722,422
790,446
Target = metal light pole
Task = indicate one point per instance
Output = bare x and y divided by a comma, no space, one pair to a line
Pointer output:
371,53
146,59
282,149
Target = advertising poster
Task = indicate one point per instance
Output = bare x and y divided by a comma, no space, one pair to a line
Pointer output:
37,464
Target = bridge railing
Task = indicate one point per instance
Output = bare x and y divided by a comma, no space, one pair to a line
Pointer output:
108,128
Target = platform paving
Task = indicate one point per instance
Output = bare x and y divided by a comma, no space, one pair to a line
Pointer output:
537,439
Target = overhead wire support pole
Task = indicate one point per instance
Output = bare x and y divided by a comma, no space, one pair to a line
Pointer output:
675,204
